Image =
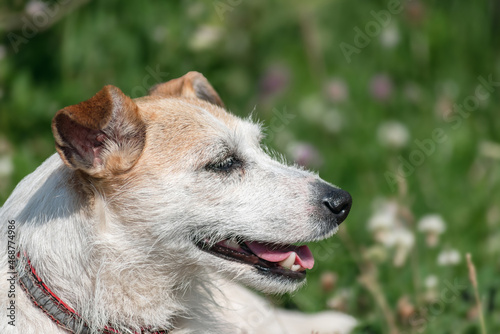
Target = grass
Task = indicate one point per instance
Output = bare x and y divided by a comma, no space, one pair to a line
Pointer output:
273,56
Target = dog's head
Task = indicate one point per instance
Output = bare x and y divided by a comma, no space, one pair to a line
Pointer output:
191,184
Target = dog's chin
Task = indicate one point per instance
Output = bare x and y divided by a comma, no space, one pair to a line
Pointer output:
255,279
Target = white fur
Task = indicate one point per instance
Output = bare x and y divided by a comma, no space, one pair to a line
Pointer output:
126,255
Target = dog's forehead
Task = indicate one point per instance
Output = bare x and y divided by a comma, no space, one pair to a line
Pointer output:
192,114
187,124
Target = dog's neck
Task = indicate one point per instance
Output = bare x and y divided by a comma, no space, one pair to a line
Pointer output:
102,276
55,308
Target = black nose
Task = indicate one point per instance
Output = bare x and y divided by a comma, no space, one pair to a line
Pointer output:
339,203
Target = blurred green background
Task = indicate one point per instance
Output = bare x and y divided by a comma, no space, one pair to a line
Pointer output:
389,100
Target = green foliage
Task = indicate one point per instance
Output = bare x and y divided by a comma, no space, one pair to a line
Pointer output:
275,56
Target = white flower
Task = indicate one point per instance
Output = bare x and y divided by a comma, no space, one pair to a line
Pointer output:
205,37
393,134
312,108
385,215
383,220
432,225
389,231
400,237
332,121
34,7
6,165
390,36
403,240
449,257
431,282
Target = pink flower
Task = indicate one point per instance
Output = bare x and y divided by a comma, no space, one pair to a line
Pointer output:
381,87
336,90
305,154
274,81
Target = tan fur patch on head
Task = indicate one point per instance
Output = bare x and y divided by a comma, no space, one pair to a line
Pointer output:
177,126
191,85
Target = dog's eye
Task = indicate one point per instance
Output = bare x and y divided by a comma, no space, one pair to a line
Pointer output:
225,165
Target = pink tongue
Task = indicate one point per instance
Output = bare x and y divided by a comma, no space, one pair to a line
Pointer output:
269,253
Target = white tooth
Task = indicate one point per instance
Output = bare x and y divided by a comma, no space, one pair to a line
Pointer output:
295,267
231,244
289,261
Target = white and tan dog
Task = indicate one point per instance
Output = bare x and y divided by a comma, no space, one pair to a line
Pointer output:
151,213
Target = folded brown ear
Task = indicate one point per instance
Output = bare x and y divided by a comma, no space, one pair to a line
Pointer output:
102,135
193,84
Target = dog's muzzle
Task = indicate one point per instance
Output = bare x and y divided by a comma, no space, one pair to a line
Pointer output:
332,205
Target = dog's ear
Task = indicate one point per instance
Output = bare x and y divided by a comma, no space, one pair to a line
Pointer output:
193,84
101,136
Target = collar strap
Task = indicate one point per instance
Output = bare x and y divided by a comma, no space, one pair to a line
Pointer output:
57,310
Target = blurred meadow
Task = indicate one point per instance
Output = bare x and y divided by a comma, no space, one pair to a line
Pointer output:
395,101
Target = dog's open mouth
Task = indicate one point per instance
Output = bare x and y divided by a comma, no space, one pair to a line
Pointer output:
284,260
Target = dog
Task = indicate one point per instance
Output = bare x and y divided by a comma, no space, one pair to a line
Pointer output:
152,213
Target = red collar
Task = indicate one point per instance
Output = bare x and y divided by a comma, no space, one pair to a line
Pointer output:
56,309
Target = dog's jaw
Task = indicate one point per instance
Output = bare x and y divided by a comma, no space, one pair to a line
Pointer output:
250,276
266,266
